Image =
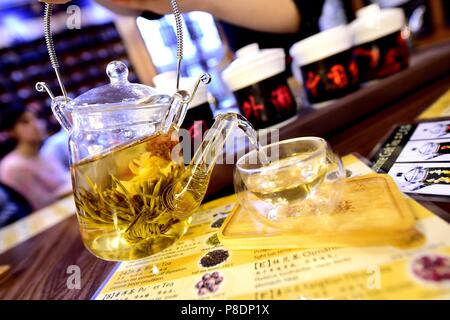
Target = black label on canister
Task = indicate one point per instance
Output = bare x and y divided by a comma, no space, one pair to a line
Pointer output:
382,57
198,120
267,102
330,78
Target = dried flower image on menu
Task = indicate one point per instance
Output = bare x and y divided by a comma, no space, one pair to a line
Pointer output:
433,269
213,240
214,258
209,283
218,223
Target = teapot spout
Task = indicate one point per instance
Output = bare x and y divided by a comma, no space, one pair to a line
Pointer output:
213,144
192,186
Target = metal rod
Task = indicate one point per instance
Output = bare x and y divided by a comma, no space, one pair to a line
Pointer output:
178,73
51,47
179,30
61,85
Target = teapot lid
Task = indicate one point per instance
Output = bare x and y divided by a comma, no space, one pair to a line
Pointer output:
119,92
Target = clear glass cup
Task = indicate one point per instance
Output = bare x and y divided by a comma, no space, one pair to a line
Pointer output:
304,178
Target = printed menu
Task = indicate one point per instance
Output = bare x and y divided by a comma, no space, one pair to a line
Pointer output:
417,156
200,267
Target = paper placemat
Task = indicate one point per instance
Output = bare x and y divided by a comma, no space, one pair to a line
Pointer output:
199,267
37,222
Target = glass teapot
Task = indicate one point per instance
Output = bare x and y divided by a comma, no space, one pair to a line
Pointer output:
134,195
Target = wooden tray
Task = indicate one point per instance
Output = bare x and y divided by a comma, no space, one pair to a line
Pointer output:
372,211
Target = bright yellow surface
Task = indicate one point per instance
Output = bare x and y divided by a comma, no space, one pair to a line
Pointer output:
381,272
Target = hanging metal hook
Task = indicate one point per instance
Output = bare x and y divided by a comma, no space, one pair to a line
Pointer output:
205,79
42,87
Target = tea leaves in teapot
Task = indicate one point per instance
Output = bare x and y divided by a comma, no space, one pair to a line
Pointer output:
125,199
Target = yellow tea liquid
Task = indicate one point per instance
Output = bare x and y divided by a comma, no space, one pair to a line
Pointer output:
287,180
132,201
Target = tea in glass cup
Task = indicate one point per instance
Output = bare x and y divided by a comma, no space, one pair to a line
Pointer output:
303,178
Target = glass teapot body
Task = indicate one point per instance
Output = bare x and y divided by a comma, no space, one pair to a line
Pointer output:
123,194
134,195
124,165
99,130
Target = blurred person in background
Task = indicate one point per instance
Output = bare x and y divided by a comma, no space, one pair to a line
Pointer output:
57,147
13,206
40,179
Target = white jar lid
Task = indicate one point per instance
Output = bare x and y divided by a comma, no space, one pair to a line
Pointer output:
368,10
374,23
166,82
253,65
322,45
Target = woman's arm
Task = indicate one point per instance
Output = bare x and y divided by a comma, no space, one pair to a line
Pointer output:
279,16
55,1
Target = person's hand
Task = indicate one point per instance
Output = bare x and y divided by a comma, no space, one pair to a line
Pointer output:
155,6
55,1
119,9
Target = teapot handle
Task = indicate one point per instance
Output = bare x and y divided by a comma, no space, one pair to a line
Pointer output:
179,105
61,113
177,111
58,106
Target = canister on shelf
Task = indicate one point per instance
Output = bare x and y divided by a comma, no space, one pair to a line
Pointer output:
325,66
258,80
380,39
